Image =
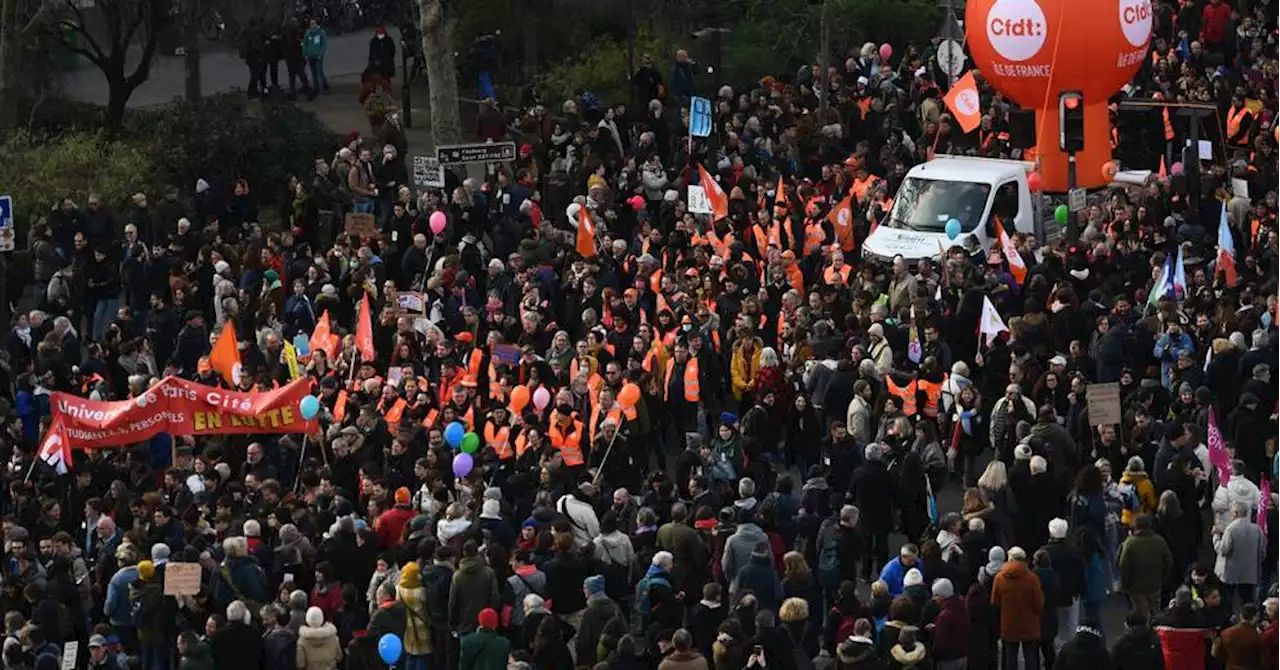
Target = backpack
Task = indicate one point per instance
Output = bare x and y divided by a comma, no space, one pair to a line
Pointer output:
144,604
1128,496
829,559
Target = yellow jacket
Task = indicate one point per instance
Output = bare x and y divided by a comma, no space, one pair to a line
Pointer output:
1147,499
742,370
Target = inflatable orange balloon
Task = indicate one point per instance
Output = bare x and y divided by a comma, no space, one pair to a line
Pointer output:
519,398
1109,170
628,396
1033,50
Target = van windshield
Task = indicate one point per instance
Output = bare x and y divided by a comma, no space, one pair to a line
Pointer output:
925,205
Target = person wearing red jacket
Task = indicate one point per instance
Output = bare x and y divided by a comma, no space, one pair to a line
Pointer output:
1213,25
390,525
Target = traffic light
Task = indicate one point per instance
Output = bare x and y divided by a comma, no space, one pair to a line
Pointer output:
1071,121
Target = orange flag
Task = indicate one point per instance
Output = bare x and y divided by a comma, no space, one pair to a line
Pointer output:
780,195
364,331
340,407
719,199
841,218
1017,267
586,244
1164,172
964,103
225,357
323,338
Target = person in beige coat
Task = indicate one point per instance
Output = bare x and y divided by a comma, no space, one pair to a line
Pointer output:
318,647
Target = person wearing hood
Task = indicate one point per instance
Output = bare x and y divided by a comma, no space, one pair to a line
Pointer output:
759,576
318,647
417,631
858,651
390,524
1085,651
474,588
654,586
1016,593
491,520
613,549
686,545
601,613
739,547
1238,489
909,653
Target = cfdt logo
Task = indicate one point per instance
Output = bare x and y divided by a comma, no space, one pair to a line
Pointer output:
1135,21
1017,28
967,102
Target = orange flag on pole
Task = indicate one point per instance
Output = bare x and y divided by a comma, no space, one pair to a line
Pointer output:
719,199
964,103
586,242
225,357
364,331
1017,267
322,338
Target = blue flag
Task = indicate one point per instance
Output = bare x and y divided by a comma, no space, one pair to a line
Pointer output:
699,117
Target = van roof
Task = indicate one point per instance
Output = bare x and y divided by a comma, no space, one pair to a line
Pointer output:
970,169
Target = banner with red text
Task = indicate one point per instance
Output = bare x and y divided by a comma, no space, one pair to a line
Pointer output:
179,407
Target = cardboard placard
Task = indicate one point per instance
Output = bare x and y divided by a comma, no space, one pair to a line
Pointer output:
363,225
1104,404
181,579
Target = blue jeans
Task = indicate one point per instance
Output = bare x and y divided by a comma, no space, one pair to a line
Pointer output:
103,314
412,662
319,81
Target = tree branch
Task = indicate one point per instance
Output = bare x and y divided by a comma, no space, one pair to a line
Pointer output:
81,25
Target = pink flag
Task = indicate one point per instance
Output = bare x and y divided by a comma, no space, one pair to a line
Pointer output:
1264,504
1218,455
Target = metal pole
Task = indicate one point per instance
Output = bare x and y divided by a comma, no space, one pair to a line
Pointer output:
824,62
1073,231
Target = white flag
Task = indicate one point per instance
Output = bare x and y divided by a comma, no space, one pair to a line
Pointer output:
54,450
991,325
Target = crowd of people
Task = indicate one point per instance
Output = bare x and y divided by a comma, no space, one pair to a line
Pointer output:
704,442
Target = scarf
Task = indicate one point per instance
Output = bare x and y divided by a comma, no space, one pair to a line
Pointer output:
24,334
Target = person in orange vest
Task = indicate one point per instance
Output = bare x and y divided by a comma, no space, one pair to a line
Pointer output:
682,389
500,442
568,435
837,274
817,231
1239,123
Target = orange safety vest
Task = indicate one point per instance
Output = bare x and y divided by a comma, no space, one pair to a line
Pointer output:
473,363
814,237
795,277
393,415
692,389
764,238
863,186
468,418
1234,118
499,440
568,442
932,397
522,444
429,421
615,414
837,278
907,394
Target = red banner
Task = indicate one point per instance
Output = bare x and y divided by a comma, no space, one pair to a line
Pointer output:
179,407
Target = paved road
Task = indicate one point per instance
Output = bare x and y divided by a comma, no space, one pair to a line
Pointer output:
220,71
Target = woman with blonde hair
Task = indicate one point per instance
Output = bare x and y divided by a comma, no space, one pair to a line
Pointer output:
798,580
995,489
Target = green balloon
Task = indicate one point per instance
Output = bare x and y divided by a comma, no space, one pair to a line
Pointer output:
1060,215
470,443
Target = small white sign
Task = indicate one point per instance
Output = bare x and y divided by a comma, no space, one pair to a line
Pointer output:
70,654
1239,187
1206,150
950,57
1077,200
699,203
427,172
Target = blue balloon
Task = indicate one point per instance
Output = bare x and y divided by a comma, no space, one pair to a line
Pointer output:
310,407
302,343
454,433
389,648
953,228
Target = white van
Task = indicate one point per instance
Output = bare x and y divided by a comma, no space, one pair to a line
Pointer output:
970,190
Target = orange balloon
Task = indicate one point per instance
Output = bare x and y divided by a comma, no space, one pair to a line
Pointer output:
628,396
519,398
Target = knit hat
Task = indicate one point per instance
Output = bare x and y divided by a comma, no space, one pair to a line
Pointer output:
872,452
995,559
410,578
159,552
942,588
315,617
913,577
146,570
1058,529
403,497
488,619
252,528
1022,452
1017,554
593,585
491,509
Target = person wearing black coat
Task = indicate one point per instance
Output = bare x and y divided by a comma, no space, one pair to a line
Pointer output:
382,54
1138,647
872,488
237,644
1085,651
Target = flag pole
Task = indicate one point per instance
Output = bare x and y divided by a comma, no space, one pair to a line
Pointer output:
607,450
30,470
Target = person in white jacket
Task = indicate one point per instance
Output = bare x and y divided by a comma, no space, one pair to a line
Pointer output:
1237,490
582,516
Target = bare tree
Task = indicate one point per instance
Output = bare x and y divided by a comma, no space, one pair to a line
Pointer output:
106,37
190,30
437,49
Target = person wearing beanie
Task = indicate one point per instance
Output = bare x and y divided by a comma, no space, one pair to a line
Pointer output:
1068,563
1138,647
596,619
417,637
499,530
474,587
390,524
873,486
484,648
915,587
153,614
318,646
1016,593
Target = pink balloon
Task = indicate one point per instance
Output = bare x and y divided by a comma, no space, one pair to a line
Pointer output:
438,221
886,52
541,398
1176,169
